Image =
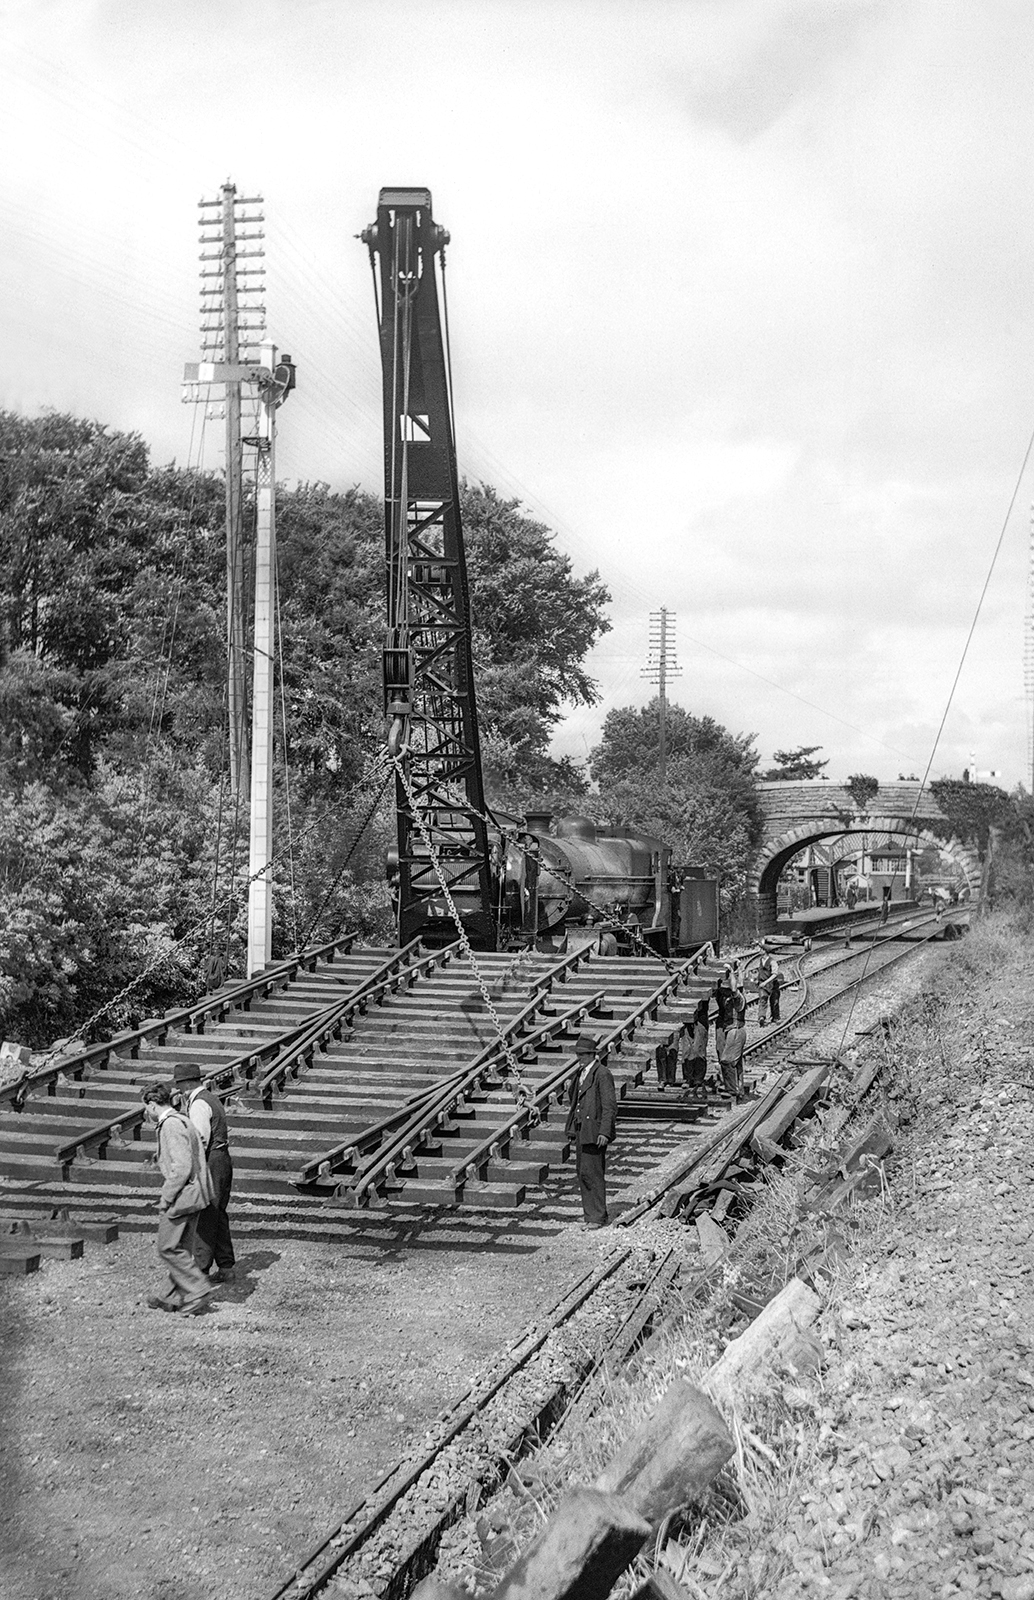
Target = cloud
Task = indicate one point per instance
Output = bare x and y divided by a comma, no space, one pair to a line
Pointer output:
739,298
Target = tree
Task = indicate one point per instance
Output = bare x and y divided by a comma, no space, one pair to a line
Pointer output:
707,809
630,742
972,810
792,764
862,788
534,624
96,551
116,837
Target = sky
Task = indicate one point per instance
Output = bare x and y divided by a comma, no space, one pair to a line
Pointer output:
739,292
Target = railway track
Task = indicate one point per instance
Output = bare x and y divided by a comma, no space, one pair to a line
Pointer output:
390,1538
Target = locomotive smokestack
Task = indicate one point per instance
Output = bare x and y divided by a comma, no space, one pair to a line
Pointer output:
538,821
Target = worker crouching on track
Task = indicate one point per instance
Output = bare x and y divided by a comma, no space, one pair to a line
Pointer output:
212,1242
185,1194
590,1123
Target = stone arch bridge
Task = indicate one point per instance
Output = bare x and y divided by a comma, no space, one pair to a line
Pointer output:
801,813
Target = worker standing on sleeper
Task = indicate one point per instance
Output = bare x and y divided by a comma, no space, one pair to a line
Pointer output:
590,1124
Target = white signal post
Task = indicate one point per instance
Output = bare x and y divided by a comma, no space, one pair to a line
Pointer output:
260,863
274,382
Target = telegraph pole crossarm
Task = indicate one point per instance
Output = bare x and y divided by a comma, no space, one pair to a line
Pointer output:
661,667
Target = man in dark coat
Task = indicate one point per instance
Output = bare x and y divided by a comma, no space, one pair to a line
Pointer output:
590,1123
205,1110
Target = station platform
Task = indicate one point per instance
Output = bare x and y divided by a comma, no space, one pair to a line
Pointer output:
832,919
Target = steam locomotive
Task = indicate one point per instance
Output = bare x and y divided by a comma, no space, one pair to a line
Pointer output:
568,876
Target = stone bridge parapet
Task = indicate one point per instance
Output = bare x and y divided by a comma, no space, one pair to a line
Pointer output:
801,812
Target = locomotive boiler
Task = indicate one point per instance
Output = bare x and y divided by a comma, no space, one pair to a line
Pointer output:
570,876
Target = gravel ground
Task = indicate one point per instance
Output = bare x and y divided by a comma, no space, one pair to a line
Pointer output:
145,1457
924,1481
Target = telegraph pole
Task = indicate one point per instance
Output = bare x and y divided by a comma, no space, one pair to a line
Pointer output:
231,325
662,665
260,860
236,352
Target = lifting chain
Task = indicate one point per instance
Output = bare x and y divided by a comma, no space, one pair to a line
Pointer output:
522,1094
629,928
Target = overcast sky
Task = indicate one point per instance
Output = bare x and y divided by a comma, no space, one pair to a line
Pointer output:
740,298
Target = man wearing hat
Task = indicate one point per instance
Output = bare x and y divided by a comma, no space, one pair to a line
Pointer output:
205,1110
590,1123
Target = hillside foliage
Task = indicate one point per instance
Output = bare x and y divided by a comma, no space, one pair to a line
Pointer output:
120,849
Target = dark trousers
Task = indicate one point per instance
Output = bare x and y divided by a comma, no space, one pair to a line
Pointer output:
592,1182
666,1061
694,1071
213,1242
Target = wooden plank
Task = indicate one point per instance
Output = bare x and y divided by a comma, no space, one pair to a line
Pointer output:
773,1338
714,1241
588,1542
59,1247
766,1137
18,1263
660,1585
672,1456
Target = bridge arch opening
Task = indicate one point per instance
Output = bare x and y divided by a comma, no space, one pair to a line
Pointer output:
778,853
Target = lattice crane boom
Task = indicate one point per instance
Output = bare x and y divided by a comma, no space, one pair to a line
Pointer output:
429,695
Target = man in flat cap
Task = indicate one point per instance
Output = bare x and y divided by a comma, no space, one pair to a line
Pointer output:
590,1123
205,1110
185,1194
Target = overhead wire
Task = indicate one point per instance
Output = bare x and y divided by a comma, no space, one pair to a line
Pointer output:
954,685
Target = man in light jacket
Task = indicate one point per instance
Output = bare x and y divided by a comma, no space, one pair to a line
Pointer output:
205,1110
185,1194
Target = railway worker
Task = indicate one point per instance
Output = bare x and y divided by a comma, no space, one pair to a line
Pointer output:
205,1110
590,1124
185,1194
666,1058
734,1043
770,981
692,1045
725,992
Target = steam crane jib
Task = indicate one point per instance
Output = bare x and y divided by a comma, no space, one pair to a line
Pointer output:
429,698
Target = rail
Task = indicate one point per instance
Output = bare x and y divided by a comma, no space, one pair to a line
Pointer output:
298,1055
487,1467
431,1116
238,1070
344,1154
187,1018
553,1089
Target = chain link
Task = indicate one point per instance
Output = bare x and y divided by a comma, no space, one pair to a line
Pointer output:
522,1094
630,928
